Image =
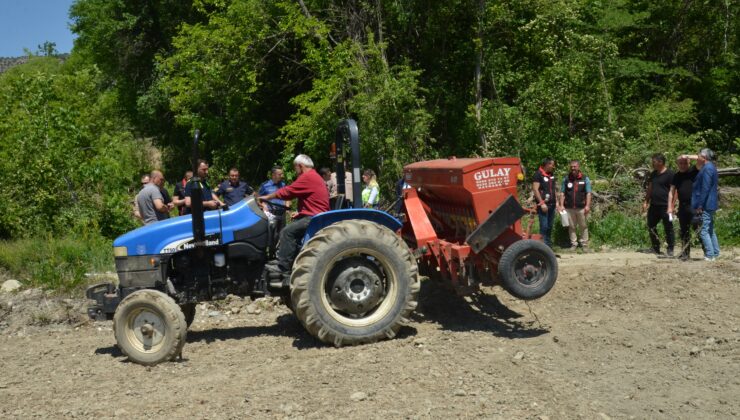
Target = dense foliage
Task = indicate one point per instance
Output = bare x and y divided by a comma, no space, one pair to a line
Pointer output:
68,161
607,82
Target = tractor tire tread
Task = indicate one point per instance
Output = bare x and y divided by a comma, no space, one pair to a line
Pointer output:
303,270
170,310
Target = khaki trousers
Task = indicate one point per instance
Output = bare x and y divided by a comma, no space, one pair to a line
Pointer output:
577,218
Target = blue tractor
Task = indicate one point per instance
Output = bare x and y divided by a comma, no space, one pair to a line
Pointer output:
355,280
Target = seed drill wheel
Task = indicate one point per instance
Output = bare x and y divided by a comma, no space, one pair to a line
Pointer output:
149,327
354,282
528,269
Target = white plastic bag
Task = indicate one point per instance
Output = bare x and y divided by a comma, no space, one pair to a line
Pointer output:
564,218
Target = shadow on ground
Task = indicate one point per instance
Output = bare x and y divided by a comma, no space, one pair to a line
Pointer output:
479,312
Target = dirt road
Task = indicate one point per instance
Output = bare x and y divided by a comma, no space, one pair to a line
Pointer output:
622,335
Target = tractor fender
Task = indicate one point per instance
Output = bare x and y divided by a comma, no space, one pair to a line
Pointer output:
325,219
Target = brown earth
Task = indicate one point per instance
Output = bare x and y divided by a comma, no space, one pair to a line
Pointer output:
622,335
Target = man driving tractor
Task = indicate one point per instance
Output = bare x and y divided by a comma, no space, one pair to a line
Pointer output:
313,198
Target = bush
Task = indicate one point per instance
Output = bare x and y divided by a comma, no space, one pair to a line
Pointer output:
72,158
56,263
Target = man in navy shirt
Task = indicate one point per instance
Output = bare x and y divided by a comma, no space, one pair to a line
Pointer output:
277,221
233,190
210,201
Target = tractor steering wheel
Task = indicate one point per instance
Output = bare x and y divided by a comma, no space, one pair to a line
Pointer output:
280,206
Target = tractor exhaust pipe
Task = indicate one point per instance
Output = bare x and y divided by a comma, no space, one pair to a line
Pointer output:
196,199
347,130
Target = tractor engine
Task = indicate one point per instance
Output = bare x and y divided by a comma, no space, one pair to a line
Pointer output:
234,269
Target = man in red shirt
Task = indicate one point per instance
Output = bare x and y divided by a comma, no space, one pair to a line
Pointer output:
313,198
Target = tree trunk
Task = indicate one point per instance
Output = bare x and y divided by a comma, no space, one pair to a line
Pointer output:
609,117
478,70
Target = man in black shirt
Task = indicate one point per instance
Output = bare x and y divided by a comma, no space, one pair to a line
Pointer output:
545,193
681,187
210,201
179,194
656,203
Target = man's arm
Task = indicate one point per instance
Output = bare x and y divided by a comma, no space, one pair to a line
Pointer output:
648,194
137,213
160,206
672,198
587,209
560,196
536,189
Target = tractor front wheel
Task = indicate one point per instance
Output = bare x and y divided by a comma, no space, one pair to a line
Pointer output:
354,282
149,327
528,269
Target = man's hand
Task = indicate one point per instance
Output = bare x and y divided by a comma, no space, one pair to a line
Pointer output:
543,207
586,210
644,206
699,211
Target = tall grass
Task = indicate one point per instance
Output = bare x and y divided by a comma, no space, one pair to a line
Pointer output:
56,263
625,230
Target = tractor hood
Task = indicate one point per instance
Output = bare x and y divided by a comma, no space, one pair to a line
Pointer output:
175,234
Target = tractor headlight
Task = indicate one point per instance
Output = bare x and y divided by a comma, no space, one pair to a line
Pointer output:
120,251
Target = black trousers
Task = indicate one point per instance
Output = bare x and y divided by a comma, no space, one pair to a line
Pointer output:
685,216
655,215
291,239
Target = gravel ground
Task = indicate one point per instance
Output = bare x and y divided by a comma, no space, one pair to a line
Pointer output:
622,335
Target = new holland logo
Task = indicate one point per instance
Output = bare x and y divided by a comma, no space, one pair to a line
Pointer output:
188,243
492,178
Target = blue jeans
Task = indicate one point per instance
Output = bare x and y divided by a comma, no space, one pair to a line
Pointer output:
707,235
546,221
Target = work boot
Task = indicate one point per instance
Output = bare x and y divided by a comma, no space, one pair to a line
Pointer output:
276,277
573,249
586,250
669,252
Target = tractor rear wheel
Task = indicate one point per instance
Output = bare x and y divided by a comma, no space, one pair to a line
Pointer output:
149,327
528,269
354,282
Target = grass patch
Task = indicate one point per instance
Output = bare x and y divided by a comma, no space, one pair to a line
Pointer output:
56,263
624,230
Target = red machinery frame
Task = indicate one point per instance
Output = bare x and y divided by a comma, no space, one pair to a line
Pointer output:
453,200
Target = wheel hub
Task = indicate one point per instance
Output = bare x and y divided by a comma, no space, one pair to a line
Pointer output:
357,287
148,329
528,269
